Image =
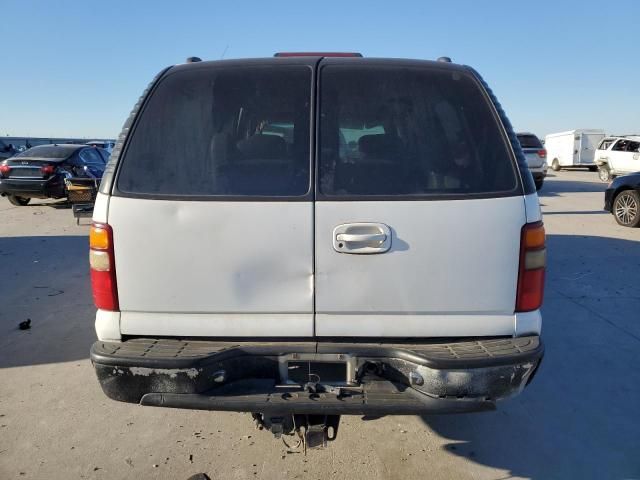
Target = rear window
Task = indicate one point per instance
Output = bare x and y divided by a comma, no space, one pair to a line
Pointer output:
223,131
48,151
408,131
529,141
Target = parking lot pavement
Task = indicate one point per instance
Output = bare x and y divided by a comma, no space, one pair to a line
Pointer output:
578,419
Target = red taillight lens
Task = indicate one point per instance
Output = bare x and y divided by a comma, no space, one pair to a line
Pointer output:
532,267
542,153
5,169
48,169
103,268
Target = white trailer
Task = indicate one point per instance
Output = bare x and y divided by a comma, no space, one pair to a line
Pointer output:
575,148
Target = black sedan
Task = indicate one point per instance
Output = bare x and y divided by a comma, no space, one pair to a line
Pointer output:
40,171
622,199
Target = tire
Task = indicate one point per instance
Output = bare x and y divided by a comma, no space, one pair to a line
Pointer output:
18,201
539,184
604,174
626,208
555,165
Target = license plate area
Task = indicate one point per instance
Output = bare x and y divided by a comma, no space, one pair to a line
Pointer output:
325,369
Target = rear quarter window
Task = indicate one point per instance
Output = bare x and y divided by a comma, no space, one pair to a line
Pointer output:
409,131
222,131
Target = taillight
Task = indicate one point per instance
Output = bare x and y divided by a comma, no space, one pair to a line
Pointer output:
48,170
103,268
4,170
532,267
542,153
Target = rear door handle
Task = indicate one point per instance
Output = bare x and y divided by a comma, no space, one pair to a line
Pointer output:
362,238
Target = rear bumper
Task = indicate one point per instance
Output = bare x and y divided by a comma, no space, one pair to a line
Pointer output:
33,188
417,378
539,173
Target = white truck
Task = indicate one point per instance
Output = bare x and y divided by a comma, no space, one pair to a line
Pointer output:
574,148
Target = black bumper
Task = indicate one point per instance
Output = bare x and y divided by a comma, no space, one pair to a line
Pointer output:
33,188
434,377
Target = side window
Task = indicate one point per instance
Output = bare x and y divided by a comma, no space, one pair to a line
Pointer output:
223,131
620,146
386,132
90,155
633,147
604,144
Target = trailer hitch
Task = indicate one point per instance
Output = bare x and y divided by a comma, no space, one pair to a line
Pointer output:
313,431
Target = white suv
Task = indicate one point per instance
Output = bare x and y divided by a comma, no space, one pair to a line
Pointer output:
317,235
618,156
536,157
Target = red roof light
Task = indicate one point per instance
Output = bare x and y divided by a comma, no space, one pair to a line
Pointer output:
318,54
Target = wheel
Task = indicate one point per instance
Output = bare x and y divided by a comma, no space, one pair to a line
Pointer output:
604,174
539,184
555,165
626,208
18,201
593,168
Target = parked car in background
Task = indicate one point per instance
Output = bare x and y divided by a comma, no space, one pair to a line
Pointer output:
536,156
40,171
622,199
618,156
575,148
104,144
25,143
400,270
7,150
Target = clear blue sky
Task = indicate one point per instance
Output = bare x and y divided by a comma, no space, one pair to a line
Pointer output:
75,68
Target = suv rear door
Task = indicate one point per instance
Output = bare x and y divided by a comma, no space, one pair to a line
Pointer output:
419,207
212,210
532,147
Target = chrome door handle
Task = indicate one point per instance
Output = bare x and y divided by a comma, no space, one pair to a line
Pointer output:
363,237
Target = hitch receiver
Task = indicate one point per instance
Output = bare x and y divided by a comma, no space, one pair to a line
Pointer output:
313,431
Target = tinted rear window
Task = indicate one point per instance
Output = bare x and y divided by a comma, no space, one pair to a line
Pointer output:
223,131
408,131
48,151
529,141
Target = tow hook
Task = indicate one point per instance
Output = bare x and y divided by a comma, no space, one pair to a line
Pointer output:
312,431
